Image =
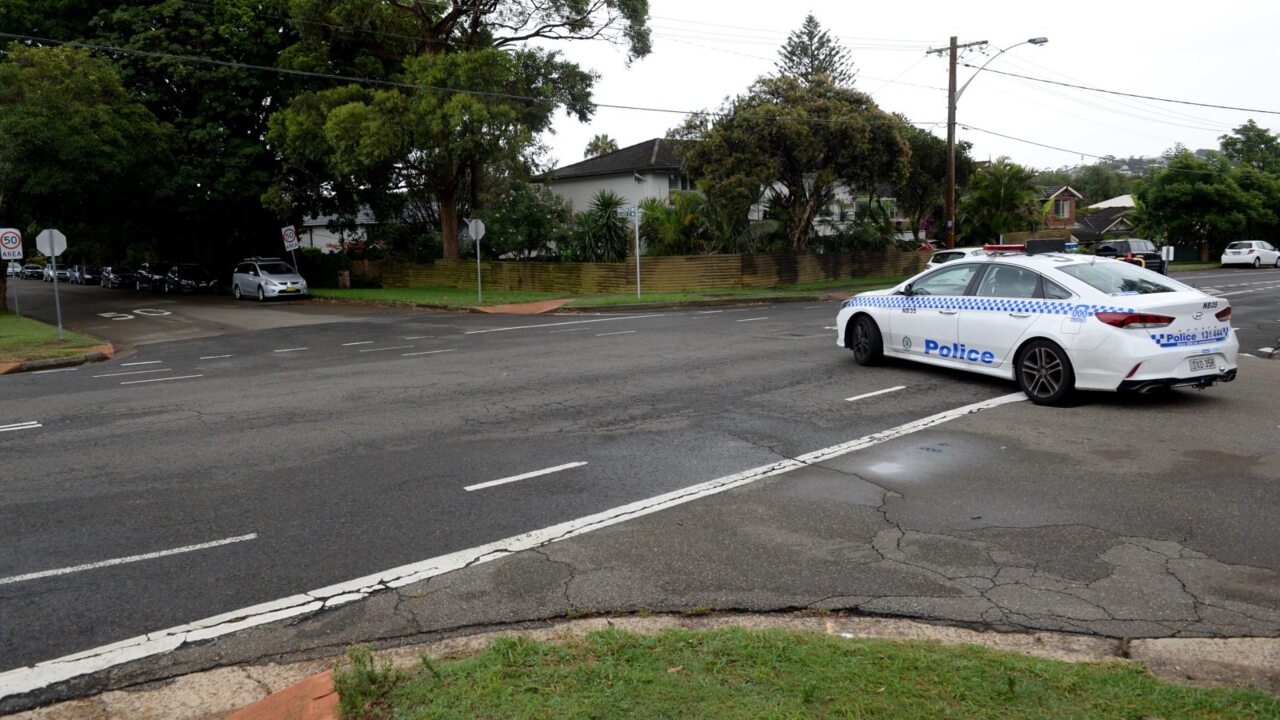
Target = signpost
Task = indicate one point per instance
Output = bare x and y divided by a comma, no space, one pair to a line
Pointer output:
475,228
291,244
634,214
52,243
11,249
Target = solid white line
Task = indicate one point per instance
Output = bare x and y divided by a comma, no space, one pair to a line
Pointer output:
29,425
135,372
42,372
215,357
886,391
145,362
623,332
1266,350
180,377
752,319
526,476
428,352
364,342
571,322
383,349
25,679
291,350
125,560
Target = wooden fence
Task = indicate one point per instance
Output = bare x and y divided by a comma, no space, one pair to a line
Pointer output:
657,274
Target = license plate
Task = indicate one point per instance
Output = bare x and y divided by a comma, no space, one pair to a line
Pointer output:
291,289
1199,364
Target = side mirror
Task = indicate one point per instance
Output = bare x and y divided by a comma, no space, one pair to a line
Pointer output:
906,290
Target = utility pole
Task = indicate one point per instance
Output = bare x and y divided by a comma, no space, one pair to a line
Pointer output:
952,51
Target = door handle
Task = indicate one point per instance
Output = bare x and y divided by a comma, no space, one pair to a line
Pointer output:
949,312
1020,315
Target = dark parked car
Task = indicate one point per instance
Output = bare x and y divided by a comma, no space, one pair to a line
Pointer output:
189,277
118,276
84,274
1139,252
151,276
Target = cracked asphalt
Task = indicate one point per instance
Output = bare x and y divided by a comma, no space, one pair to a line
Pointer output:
1120,517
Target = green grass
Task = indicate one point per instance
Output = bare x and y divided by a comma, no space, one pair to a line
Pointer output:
466,298
769,674
23,339
1189,266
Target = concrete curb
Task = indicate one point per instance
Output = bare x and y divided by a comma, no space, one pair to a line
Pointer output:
96,354
513,309
301,689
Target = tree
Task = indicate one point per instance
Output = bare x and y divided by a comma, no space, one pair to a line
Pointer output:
922,192
436,137
1195,202
524,219
811,55
600,145
793,144
600,233
999,199
1098,182
1254,146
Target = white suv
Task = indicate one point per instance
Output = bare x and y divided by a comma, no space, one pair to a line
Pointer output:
267,278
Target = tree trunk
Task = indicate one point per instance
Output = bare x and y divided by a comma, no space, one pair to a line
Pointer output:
4,290
449,213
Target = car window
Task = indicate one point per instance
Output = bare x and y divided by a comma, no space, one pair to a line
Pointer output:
1142,246
1119,278
276,269
947,281
1006,281
1054,291
243,268
1238,246
939,258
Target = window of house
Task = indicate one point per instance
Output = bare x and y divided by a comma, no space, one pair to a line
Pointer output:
1062,207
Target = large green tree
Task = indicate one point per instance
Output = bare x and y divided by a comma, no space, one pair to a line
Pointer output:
811,55
468,92
922,192
793,145
1254,146
1000,199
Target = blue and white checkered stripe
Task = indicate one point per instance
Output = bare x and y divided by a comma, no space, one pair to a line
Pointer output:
1033,307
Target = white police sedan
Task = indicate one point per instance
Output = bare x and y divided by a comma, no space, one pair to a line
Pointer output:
1054,322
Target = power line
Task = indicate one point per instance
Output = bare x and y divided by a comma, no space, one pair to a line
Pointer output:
1127,94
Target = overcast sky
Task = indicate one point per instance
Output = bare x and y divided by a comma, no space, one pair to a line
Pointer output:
1220,53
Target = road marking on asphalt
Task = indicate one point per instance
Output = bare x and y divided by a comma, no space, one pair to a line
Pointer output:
525,476
553,332
428,352
28,425
135,372
1266,350
1237,275
418,337
752,319
126,560
26,679
42,372
362,342
570,322
621,332
144,362
180,377
813,307
384,349
285,350
885,391
830,327
1245,292
215,357
708,312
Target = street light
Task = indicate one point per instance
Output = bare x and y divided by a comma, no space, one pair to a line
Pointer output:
953,96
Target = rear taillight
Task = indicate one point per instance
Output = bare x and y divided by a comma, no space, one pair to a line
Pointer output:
1134,320
1251,251
1224,314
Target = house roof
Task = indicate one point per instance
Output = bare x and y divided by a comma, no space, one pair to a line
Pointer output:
648,156
1097,224
1053,191
364,216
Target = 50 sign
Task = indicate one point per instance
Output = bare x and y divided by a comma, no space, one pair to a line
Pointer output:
145,312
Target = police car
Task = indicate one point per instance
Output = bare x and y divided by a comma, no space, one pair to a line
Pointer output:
1053,322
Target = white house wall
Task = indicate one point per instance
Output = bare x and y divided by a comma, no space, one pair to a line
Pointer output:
579,191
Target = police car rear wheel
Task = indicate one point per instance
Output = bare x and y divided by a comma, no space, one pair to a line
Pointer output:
867,344
1045,374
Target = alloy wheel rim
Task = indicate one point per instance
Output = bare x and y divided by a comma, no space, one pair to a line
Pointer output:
1042,372
861,341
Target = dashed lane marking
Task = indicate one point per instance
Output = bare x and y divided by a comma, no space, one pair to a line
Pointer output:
125,560
42,372
886,391
429,352
384,349
559,324
180,377
418,337
362,342
287,350
525,476
621,332
135,372
752,319
28,425
144,362
215,357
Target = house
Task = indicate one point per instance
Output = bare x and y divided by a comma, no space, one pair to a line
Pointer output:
315,231
646,170
1106,219
1062,214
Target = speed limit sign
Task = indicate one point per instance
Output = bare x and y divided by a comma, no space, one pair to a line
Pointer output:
10,244
290,237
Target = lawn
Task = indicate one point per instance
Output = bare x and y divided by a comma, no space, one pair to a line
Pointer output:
23,339
738,673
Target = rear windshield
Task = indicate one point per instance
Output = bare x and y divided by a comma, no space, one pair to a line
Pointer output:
275,269
1142,246
1120,278
1239,246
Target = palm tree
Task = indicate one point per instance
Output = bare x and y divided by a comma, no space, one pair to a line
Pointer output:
999,199
600,145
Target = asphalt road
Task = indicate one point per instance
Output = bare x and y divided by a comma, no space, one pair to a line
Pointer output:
203,475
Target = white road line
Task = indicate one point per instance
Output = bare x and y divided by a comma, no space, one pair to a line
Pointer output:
215,357
752,319
419,337
29,425
384,349
553,332
125,560
180,377
813,307
708,312
622,332
145,362
285,350
135,372
1266,350
886,391
1237,275
363,342
428,352
570,322
1245,292
25,679
526,476
830,327
42,372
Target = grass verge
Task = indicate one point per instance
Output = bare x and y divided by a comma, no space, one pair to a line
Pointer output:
1189,266
23,339
738,673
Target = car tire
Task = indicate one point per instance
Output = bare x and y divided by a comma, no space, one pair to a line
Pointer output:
1257,263
866,342
1044,373
235,290
262,297
1277,262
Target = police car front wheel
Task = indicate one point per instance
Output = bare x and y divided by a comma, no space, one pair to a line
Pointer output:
866,342
1045,374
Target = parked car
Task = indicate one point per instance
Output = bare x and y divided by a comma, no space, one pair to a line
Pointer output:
189,277
1254,253
266,278
83,274
13,269
117,276
945,256
150,276
32,271
1133,250
47,273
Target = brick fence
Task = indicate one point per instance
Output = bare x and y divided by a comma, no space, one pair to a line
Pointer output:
658,274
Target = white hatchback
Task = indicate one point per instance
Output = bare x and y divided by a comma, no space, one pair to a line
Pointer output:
1255,253
1053,322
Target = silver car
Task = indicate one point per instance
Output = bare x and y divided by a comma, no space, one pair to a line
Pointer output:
267,278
